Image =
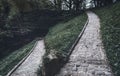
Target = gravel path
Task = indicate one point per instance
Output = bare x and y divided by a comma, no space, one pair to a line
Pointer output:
88,57
30,66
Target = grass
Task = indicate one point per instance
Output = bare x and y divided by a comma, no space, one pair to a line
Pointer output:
110,30
61,37
11,60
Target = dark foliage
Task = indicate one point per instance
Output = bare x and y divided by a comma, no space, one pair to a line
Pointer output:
99,3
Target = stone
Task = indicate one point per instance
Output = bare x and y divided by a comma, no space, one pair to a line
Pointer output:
78,64
84,65
108,74
81,74
99,73
74,68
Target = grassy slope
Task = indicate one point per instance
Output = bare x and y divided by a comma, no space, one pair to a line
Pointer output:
61,37
6,64
59,40
110,29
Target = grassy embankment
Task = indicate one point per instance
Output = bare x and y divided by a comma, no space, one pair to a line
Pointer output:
110,30
7,63
58,42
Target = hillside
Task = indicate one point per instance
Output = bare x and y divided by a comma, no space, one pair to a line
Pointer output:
110,30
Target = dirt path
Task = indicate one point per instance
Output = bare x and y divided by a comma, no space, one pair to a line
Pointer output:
30,66
88,57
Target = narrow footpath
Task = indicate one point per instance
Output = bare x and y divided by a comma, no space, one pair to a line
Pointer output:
30,66
88,57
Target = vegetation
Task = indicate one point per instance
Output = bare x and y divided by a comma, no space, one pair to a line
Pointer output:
9,45
110,30
70,4
21,22
61,36
59,40
22,28
100,3
7,63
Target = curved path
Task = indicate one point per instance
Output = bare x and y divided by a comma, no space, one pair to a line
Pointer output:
30,66
88,57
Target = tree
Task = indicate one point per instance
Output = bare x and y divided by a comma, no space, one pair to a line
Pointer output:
99,3
68,3
5,7
107,2
58,4
28,5
44,4
77,4
20,5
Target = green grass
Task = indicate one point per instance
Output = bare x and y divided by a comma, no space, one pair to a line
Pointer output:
110,30
61,37
58,42
10,61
